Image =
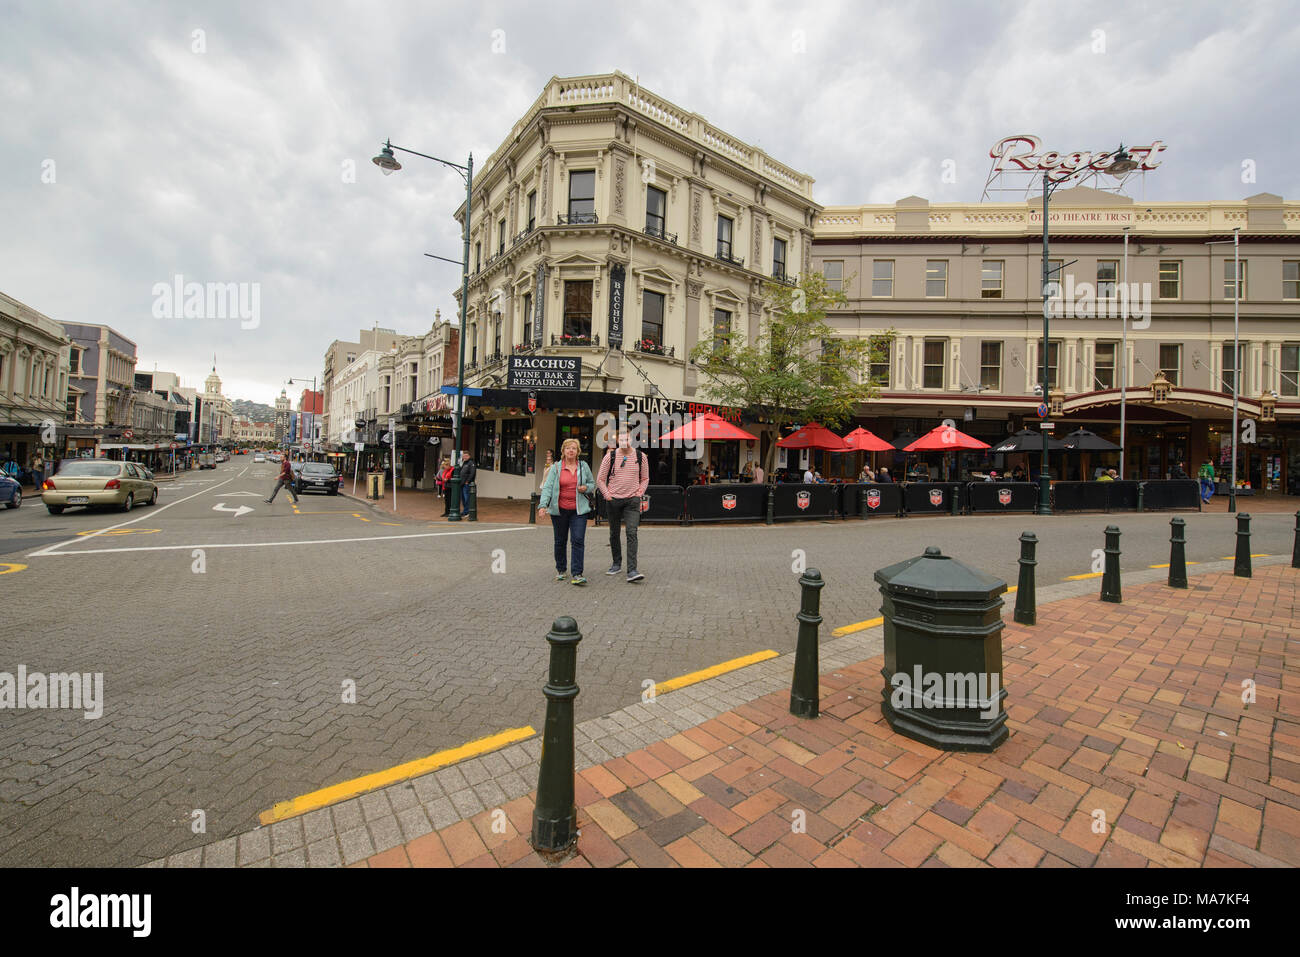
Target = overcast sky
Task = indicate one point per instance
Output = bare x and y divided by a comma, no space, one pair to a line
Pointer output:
133,150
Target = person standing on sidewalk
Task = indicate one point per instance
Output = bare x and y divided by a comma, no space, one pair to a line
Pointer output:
565,498
623,478
467,472
283,480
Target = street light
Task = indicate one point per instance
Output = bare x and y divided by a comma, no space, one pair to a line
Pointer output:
388,164
1236,351
1120,164
311,445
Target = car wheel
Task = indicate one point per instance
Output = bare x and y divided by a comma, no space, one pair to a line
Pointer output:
153,499
55,509
18,499
130,500
334,491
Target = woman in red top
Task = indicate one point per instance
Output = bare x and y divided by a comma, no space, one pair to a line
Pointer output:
444,483
564,498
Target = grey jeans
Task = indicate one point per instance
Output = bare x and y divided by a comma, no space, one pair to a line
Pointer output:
283,483
625,511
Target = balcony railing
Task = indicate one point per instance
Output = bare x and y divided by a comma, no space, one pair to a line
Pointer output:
724,253
524,346
568,339
527,231
658,232
779,275
576,219
652,348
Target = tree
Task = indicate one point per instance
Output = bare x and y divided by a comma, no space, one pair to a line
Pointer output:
797,369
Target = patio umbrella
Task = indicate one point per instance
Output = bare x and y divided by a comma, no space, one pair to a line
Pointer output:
814,436
945,439
709,427
1081,440
1027,440
864,441
902,441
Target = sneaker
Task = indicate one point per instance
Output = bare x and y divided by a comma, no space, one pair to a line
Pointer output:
634,576
561,576
614,569
577,580
267,501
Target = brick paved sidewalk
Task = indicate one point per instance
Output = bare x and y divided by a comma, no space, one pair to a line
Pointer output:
1129,714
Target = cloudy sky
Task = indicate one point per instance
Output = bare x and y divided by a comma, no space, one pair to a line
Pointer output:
134,148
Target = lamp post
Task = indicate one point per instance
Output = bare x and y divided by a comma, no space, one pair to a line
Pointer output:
389,164
311,444
1236,351
1120,164
1123,359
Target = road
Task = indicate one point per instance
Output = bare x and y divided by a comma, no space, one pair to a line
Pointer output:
227,640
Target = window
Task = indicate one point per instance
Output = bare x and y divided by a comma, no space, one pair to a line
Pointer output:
514,446
528,317
721,329
833,270
1107,274
1171,279
478,256
74,361
582,196
879,371
473,342
656,210
1291,279
496,349
991,279
778,258
501,237
724,237
932,364
652,318
1230,368
936,278
532,210
485,439
577,308
882,277
1053,361
1055,279
991,366
1290,384
1229,286
1104,366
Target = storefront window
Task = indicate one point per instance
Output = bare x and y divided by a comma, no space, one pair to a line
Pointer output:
581,429
485,434
514,446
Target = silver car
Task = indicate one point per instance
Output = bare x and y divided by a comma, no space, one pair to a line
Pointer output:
98,482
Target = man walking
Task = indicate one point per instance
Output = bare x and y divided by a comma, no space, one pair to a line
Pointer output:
467,472
623,478
283,480
1206,475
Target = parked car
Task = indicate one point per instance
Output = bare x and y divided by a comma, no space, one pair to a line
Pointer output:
259,457
317,476
11,493
98,482
207,460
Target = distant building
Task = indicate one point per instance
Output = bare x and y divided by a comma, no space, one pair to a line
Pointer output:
34,356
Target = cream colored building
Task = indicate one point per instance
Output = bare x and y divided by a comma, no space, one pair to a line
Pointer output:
962,286
617,227
338,357
34,355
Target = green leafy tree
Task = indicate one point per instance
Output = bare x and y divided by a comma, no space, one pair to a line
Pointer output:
797,369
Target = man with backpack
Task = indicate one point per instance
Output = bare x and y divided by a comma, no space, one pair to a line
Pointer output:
1206,476
622,480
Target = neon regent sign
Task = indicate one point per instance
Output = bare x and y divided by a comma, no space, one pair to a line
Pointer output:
1024,152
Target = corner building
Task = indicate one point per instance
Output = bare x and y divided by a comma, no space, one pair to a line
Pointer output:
618,228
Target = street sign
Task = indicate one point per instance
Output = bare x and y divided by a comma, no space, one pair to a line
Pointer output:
451,390
174,446
1042,410
128,434
358,446
1047,426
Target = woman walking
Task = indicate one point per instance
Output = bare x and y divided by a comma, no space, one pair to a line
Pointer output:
564,497
444,483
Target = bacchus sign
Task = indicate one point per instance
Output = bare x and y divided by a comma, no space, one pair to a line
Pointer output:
552,373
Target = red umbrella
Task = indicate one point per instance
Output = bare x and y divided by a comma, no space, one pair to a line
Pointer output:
945,439
814,436
707,426
865,441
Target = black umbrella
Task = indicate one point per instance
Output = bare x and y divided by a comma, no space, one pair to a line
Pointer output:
1081,440
1027,440
903,441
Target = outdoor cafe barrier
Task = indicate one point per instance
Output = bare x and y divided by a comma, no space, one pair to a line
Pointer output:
1002,496
797,500
1171,493
886,499
739,502
929,497
665,505
1094,496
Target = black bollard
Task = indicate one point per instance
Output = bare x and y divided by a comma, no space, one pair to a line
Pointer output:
863,511
1241,567
472,514
805,700
533,501
1026,598
1177,553
555,816
453,489
1295,549
1110,588
771,505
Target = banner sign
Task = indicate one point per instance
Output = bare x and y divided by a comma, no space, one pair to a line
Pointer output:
539,305
655,405
617,275
552,373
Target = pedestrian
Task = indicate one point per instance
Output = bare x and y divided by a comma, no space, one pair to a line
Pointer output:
550,460
566,498
1206,475
622,480
1179,472
283,480
467,472
758,474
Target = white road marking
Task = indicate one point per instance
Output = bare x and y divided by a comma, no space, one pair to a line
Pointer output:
318,541
221,507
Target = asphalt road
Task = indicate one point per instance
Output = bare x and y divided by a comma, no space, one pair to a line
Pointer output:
226,639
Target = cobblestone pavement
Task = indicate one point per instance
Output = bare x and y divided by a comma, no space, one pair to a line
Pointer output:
224,671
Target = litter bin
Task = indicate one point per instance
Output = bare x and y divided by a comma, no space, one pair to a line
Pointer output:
375,485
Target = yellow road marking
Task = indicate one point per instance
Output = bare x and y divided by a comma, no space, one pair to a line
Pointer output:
358,515
1228,558
1074,578
369,782
872,622
8,568
1166,565
394,524
672,684
120,531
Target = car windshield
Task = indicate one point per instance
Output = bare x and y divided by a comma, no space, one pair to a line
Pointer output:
91,469
315,468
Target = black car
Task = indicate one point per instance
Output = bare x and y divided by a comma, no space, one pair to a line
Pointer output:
317,476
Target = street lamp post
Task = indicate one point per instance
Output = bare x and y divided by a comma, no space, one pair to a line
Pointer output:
311,444
389,164
1236,351
1123,358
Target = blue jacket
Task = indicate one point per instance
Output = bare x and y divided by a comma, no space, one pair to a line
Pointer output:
550,498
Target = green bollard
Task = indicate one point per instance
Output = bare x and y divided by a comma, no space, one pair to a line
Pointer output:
863,511
472,514
1241,567
771,505
533,501
1177,553
555,815
955,492
453,507
1110,587
805,700
1295,549
1026,598
1142,489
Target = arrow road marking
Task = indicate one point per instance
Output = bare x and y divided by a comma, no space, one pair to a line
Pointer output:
221,507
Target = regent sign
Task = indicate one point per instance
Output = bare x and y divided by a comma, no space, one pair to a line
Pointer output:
1023,153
